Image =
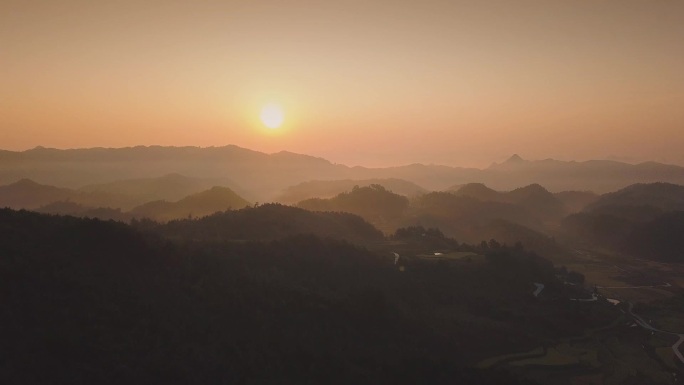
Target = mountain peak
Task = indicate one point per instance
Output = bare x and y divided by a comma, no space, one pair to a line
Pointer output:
515,158
513,162
25,182
478,191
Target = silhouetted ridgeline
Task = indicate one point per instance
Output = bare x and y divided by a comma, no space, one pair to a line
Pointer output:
451,213
466,214
265,176
659,239
535,198
665,196
374,203
27,194
330,188
86,301
78,210
215,199
196,205
645,220
170,187
472,213
270,222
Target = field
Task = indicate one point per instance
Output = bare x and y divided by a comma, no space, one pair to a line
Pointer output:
612,357
612,354
626,278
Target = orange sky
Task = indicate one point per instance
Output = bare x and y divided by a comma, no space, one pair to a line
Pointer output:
362,82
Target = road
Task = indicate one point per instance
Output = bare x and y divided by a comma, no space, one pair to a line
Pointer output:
538,290
642,322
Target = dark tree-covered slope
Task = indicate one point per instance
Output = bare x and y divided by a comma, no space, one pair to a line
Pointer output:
269,222
86,301
374,203
330,188
665,196
199,204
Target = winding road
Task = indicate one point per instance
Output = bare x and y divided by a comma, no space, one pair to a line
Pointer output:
642,322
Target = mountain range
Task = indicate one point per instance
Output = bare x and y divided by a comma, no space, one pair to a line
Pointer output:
200,204
264,177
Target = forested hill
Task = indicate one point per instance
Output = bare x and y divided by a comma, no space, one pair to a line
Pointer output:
644,220
269,222
196,205
86,301
534,198
330,188
374,203
664,196
27,194
169,187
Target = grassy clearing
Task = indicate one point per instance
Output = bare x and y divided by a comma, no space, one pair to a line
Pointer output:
674,323
618,356
667,356
489,362
553,357
564,354
628,359
617,352
643,295
611,269
599,274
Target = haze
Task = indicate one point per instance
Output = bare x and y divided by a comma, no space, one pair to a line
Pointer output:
342,192
372,83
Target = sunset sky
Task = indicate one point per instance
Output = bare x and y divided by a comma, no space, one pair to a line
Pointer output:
371,83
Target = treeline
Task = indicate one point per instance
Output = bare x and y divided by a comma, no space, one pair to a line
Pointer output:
87,301
267,222
125,200
376,204
644,220
471,213
645,234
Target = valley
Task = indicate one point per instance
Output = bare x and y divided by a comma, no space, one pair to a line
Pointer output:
565,287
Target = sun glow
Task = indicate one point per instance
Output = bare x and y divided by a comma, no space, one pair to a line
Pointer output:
272,115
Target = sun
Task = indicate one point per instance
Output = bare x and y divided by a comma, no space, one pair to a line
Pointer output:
272,115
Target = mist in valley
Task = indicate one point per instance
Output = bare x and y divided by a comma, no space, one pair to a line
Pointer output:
267,260
357,192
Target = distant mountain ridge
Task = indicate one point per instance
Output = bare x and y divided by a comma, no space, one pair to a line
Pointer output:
330,188
665,196
169,187
273,221
210,201
267,175
599,176
201,204
479,191
534,198
646,220
374,203
27,194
